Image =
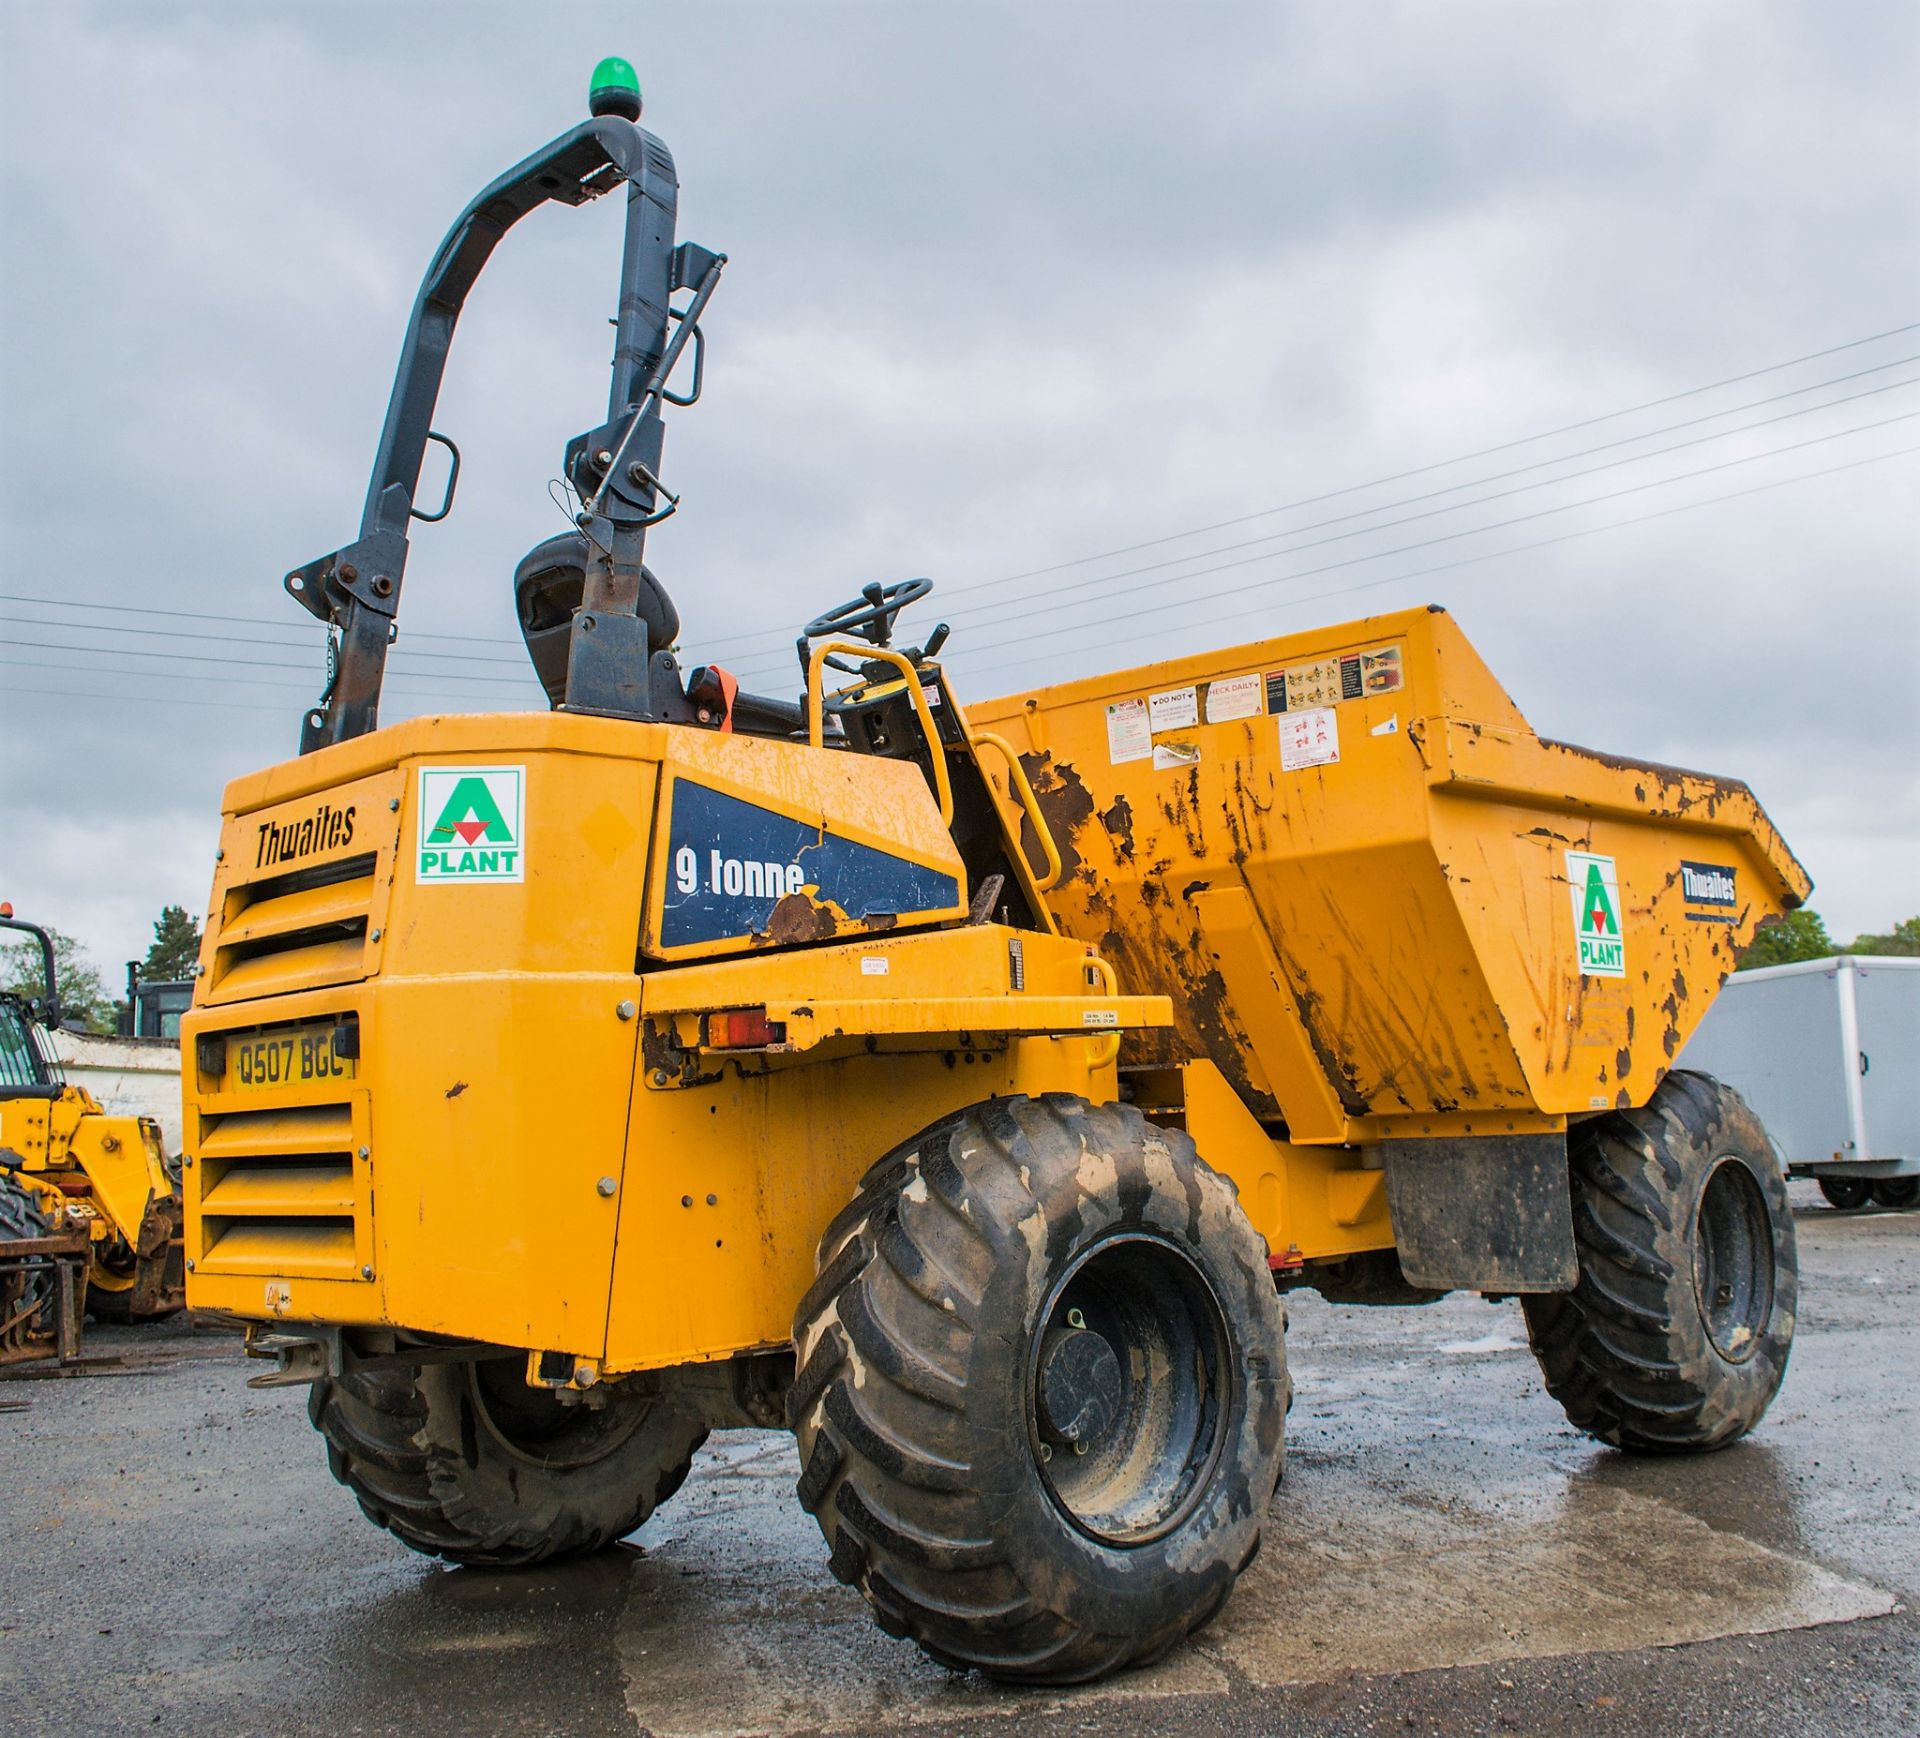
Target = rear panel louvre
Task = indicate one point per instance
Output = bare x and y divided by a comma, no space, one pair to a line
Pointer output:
282,1193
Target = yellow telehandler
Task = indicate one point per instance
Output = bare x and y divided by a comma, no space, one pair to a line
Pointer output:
960,1088
66,1164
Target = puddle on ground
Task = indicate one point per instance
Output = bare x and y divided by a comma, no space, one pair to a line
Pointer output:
734,1625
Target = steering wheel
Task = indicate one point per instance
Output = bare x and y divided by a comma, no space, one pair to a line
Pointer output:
871,614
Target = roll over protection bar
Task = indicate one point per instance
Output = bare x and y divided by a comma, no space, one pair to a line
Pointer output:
615,468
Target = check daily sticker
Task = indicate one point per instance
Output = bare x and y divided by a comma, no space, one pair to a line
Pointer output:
1594,884
472,824
1235,697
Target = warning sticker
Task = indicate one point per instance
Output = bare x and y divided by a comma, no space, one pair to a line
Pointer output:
1129,736
1178,710
1309,738
1168,755
1594,885
1328,681
1235,697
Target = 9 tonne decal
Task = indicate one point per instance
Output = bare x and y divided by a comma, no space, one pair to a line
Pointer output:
472,823
736,869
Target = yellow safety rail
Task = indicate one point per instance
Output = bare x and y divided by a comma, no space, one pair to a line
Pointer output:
816,719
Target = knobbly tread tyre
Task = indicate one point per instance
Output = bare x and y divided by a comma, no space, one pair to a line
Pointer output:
1628,1352
911,1411
416,1448
21,1217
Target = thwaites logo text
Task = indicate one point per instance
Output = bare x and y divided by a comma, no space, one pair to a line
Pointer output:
472,823
1595,886
1708,884
327,829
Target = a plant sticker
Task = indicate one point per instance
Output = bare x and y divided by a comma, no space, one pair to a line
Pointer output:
472,823
1595,887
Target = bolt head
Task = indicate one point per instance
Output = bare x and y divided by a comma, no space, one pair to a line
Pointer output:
366,1273
220,856
186,1161
626,1011
585,1375
393,804
190,1264
606,1185
366,1152
713,1200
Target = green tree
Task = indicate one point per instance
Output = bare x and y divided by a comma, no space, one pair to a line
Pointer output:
83,996
176,946
1903,939
1800,935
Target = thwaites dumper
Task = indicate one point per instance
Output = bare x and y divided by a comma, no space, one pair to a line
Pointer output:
66,1165
960,1090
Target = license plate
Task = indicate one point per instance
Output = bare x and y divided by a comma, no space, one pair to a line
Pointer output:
299,1056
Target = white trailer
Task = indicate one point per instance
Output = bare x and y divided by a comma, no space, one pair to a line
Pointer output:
1828,1053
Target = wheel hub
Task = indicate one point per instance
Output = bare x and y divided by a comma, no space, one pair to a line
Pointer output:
1080,1390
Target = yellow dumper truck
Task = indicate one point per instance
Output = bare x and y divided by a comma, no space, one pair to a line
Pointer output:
959,1087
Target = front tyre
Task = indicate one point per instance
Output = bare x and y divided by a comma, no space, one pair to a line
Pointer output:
465,1461
1676,1336
1042,1390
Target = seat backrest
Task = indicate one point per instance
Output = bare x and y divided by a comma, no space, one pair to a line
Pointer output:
547,588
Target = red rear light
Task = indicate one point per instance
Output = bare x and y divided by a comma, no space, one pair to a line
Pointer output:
744,1029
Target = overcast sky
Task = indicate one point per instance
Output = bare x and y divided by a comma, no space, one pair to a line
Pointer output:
1010,287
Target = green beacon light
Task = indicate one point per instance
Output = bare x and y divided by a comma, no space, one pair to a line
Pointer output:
615,89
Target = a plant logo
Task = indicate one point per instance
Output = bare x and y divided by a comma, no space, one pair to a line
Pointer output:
472,823
1595,887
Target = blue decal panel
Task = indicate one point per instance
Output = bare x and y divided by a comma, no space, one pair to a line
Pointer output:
731,863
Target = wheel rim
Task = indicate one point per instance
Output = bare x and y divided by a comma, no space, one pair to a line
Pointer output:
1127,1389
534,1426
1733,1260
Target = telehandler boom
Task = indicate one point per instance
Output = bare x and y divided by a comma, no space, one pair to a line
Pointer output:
66,1164
960,1089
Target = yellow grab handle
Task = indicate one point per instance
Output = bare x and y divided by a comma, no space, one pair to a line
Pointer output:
1023,789
816,716
1111,1053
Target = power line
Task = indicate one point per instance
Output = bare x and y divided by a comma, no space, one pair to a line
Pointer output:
221,616
1496,554
1472,530
1061,599
398,681
241,639
1484,452
260,663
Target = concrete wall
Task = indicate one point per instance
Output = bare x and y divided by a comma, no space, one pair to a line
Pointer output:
129,1076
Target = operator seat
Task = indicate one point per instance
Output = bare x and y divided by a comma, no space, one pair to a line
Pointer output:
547,588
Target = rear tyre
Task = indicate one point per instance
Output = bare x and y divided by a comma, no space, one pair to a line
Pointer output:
26,1299
1676,1336
1042,1390
465,1461
1899,1193
1846,1193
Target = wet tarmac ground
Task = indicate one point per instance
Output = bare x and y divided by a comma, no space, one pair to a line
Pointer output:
1445,1556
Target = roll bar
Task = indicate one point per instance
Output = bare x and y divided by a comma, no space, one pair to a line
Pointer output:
615,468
47,1006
